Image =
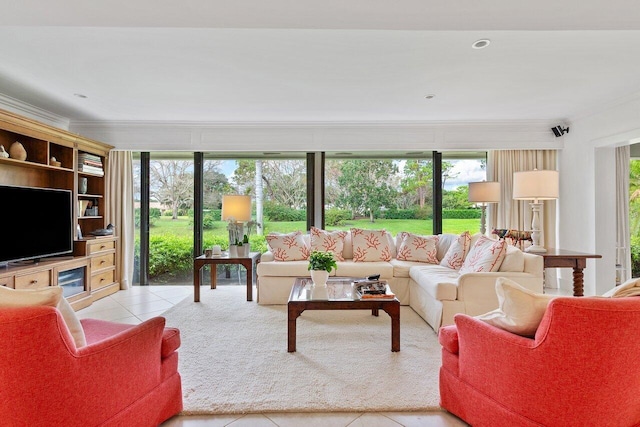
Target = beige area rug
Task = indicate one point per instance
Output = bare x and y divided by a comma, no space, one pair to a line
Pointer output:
234,358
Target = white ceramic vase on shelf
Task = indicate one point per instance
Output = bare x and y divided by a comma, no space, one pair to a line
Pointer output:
319,277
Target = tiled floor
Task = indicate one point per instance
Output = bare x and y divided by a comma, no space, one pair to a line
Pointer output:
143,302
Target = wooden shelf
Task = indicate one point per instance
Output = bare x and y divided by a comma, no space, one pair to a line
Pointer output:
33,165
42,144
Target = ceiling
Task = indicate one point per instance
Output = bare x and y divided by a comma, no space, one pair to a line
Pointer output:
319,61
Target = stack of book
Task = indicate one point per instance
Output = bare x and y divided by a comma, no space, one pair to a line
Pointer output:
90,163
373,289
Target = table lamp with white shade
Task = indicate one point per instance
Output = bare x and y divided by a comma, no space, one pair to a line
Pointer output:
484,192
536,185
236,209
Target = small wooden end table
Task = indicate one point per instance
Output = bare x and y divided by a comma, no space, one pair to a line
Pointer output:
340,295
560,258
248,262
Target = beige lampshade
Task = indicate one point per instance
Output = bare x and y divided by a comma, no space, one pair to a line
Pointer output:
484,192
237,207
536,185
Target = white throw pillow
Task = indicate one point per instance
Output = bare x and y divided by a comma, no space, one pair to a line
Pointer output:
486,255
288,247
371,245
417,248
51,296
630,288
328,241
513,260
520,310
457,252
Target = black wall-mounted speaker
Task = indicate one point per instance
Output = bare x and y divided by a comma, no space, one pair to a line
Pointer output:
558,131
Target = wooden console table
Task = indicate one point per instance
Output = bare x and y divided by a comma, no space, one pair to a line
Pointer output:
559,258
248,262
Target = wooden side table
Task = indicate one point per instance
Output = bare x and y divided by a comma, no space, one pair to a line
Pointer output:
560,258
249,263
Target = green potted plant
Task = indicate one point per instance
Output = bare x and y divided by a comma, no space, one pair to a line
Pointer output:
320,265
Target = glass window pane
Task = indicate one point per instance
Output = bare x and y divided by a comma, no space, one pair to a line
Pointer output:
458,170
373,193
171,219
277,187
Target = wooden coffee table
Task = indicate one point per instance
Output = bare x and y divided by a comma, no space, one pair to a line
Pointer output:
339,295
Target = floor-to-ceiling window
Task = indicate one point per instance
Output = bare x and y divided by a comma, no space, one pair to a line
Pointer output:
170,218
415,191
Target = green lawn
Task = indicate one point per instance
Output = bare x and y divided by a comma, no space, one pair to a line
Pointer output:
182,226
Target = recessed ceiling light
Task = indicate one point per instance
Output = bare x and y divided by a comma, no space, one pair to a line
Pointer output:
79,95
481,44
430,96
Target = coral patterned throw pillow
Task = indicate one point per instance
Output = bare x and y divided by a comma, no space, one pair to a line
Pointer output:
417,248
370,245
485,255
288,247
328,241
457,251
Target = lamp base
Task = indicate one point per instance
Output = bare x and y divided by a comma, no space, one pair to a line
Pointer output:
535,249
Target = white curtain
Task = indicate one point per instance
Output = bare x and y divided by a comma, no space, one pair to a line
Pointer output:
516,214
120,211
623,255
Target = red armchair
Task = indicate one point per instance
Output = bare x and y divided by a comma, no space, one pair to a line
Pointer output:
581,369
126,375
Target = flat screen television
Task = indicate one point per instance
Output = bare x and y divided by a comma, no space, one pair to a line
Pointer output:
40,221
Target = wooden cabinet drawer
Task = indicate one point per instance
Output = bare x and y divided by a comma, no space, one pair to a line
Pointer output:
40,279
6,281
102,279
100,246
98,262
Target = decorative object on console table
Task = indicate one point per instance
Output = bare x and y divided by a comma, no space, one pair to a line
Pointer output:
236,209
17,151
3,153
320,265
484,192
536,185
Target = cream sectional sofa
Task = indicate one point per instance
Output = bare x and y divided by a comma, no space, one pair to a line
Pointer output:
435,292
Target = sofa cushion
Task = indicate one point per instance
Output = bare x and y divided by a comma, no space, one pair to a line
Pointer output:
485,256
50,296
520,310
413,247
371,245
402,268
513,260
288,247
284,268
351,268
438,281
328,241
457,251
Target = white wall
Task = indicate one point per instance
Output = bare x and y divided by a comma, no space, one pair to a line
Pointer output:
587,220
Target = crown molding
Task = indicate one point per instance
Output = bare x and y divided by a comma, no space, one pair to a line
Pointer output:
19,107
